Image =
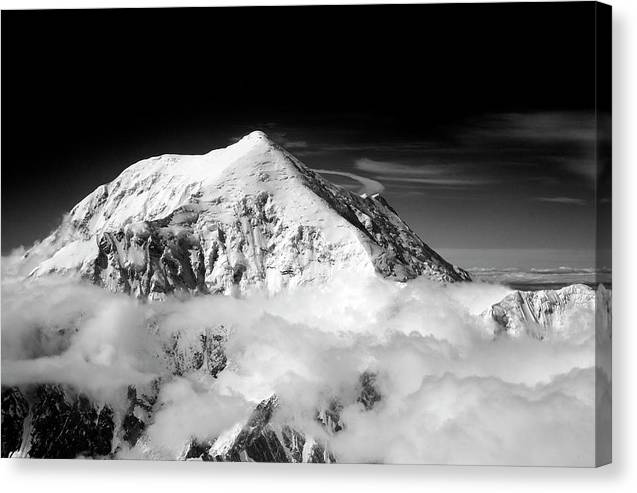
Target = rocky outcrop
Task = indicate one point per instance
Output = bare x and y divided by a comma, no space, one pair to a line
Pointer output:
15,410
256,441
369,394
51,422
57,422
150,260
65,427
206,353
545,313
261,439
138,413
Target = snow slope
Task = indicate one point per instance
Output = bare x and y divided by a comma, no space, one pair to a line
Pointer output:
553,314
249,215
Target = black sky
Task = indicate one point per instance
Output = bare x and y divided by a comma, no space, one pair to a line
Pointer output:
478,120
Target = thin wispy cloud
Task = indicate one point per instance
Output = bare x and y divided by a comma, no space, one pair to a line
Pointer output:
295,144
368,185
556,126
493,148
501,147
446,175
460,182
394,168
562,200
558,142
367,148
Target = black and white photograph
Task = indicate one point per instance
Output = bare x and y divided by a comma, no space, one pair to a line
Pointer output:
339,234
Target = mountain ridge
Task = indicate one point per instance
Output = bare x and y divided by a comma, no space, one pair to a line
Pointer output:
250,215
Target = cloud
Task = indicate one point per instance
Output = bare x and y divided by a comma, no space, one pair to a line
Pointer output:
296,144
578,127
397,169
369,186
446,182
468,420
185,413
450,392
543,278
562,200
562,142
393,147
554,149
440,175
584,168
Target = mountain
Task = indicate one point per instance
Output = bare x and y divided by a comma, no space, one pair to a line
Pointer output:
549,314
58,422
248,216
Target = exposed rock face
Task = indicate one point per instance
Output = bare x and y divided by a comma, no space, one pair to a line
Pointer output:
56,422
260,439
250,215
206,353
58,425
63,428
15,410
256,441
369,394
546,313
138,414
51,421
150,263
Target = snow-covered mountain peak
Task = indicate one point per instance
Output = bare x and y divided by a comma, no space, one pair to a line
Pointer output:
248,215
257,136
154,187
254,142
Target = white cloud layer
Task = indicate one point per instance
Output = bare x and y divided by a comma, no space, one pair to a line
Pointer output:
450,392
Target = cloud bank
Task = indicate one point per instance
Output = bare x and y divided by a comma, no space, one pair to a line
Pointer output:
451,393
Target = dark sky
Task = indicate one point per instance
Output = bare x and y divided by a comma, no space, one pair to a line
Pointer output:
478,122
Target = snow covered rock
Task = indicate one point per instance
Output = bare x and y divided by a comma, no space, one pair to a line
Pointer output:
58,422
261,440
553,313
247,216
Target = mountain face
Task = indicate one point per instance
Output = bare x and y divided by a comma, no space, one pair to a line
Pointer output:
260,440
247,216
56,421
250,216
549,313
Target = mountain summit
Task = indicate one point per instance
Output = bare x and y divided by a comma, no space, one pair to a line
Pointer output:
247,216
